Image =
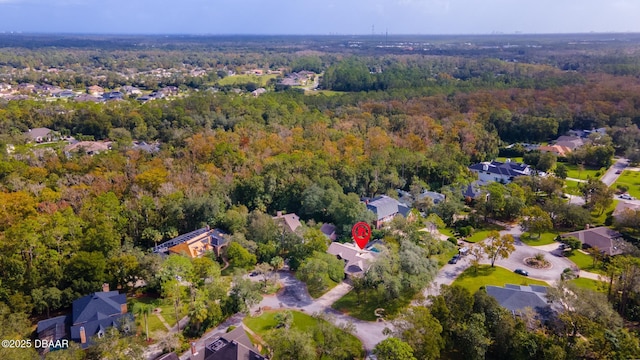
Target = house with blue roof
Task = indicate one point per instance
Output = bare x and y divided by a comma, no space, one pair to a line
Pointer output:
386,208
91,316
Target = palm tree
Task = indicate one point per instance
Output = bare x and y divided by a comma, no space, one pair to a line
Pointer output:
144,310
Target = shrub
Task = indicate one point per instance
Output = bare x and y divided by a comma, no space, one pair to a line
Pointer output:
453,240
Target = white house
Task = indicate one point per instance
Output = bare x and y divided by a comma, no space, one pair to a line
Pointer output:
503,172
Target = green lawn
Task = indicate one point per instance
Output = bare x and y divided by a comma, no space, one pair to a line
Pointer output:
154,322
533,240
447,231
590,284
245,79
585,262
513,159
630,179
481,234
362,307
265,322
598,219
444,257
262,324
486,275
571,187
575,172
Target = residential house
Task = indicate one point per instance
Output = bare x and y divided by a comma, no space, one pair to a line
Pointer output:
386,208
517,298
65,94
356,261
259,91
625,207
607,240
407,198
329,230
5,86
503,172
113,95
87,98
169,90
91,316
130,90
40,135
570,142
95,90
88,147
473,190
54,329
289,222
195,243
234,345
558,150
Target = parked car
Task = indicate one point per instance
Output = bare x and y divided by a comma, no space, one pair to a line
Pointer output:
618,172
521,272
454,259
626,197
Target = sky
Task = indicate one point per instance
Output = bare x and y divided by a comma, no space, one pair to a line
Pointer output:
320,17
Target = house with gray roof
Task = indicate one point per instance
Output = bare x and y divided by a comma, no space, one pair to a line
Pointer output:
517,298
90,316
356,261
234,345
609,241
386,208
42,135
503,172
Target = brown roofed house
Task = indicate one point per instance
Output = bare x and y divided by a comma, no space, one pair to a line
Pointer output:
290,222
559,150
607,240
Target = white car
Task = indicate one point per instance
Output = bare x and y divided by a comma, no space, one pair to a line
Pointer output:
627,197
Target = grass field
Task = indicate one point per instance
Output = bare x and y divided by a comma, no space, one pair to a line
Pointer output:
585,262
245,79
533,240
166,311
575,172
447,231
481,234
362,307
630,179
486,275
590,284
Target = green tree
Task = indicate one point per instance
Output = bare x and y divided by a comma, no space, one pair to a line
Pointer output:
291,344
393,349
498,247
173,292
536,220
418,328
239,257
142,309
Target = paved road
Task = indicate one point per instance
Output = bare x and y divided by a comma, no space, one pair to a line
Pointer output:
610,176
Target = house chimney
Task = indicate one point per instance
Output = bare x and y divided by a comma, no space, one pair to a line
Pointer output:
83,335
123,308
208,227
193,348
278,213
105,287
587,226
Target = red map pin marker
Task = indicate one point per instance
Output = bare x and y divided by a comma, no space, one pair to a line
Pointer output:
361,233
